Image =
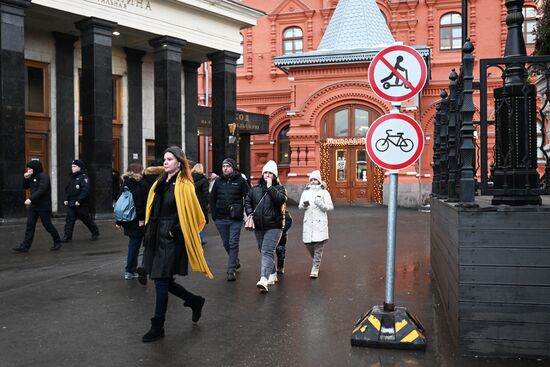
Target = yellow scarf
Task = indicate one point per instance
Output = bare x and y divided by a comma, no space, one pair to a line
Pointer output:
191,221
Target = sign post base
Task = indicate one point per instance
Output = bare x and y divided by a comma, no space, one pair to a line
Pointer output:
388,327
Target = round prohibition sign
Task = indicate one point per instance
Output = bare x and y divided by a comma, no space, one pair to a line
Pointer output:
394,141
397,73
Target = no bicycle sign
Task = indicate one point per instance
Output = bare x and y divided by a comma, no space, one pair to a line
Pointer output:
397,73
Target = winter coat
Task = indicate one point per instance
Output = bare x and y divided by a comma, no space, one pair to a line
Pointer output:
150,175
225,192
164,254
132,181
315,227
39,184
78,189
201,189
269,212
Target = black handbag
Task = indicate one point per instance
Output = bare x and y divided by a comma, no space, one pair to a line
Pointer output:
236,211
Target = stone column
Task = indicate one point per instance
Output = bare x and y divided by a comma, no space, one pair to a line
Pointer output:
12,108
167,92
135,104
191,121
96,97
224,105
65,102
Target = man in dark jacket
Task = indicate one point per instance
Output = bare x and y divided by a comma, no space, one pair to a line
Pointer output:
77,195
226,205
39,205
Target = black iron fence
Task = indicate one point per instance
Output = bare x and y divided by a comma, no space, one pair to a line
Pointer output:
516,171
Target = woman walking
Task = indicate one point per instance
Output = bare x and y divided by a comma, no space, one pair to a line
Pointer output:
131,181
266,202
316,202
173,220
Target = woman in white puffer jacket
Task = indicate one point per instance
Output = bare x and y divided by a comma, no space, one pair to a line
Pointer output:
316,202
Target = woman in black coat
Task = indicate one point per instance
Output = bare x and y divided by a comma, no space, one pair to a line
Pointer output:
131,181
203,193
266,202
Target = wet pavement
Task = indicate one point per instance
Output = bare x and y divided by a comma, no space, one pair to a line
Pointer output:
73,307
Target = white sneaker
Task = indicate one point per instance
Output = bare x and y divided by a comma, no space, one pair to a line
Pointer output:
262,284
314,273
130,276
272,279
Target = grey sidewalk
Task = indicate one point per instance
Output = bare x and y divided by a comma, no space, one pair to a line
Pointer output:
73,307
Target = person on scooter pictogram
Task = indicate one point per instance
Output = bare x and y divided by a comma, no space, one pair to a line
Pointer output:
386,84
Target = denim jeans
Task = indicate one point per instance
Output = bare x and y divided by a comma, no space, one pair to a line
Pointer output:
267,241
230,232
134,244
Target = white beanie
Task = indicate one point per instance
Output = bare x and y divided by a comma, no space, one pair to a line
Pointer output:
271,166
316,175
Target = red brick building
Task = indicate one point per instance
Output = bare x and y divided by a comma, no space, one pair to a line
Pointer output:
305,65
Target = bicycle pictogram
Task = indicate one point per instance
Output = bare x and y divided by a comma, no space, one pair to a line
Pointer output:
405,144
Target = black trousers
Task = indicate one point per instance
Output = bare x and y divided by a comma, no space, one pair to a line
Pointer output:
82,213
32,218
162,287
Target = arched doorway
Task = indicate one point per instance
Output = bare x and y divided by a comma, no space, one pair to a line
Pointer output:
351,175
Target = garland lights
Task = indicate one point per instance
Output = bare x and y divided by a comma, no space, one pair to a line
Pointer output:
377,175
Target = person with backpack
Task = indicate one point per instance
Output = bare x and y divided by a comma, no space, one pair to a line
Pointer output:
130,215
77,193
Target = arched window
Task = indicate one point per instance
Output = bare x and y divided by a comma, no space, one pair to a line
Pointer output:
292,41
284,146
450,32
348,122
529,23
240,60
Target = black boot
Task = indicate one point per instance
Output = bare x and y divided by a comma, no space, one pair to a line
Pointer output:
280,266
142,275
196,303
156,332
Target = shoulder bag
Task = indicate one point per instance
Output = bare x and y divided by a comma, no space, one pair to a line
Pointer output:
249,219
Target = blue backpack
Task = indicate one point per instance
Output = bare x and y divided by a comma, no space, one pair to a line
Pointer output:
125,209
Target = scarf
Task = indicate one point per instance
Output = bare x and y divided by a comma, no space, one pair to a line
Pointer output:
191,219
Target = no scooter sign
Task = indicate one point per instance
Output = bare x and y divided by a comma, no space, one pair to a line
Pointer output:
397,73
394,141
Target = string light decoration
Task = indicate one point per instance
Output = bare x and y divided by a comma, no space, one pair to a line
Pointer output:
324,157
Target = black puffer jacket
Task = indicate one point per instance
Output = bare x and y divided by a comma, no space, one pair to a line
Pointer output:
39,184
133,182
227,191
201,189
269,211
78,189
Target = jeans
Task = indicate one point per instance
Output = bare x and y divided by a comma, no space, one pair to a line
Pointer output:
134,244
32,218
230,232
267,241
162,287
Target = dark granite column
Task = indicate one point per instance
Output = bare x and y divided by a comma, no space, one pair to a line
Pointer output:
244,154
191,121
96,96
12,108
167,92
65,102
224,105
135,105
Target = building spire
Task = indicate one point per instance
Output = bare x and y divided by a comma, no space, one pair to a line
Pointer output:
356,24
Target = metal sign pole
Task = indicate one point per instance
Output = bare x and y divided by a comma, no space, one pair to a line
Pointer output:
390,253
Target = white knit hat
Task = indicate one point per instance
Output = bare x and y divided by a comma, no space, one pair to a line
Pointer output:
316,175
270,166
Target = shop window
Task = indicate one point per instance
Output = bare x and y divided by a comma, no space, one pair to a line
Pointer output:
36,96
240,60
450,32
341,165
284,146
293,41
529,23
361,165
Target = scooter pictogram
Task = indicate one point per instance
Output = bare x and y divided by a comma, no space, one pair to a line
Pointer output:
398,82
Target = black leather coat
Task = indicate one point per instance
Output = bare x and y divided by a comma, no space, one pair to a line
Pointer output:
269,211
165,254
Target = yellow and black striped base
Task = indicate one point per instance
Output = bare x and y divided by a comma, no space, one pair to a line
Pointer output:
388,329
